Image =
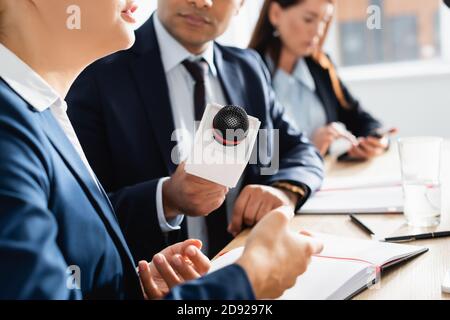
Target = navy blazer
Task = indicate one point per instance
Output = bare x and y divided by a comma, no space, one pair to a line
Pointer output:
355,118
53,215
121,112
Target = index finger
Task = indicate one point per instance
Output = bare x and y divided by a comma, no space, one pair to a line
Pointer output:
166,271
149,286
212,186
279,217
200,261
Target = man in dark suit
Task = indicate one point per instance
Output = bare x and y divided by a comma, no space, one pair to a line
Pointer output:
126,107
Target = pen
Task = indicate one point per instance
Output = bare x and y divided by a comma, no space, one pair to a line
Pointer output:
361,225
423,236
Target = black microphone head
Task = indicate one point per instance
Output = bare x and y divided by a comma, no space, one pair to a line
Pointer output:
447,3
230,125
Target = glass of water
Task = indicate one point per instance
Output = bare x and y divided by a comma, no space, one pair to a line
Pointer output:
420,159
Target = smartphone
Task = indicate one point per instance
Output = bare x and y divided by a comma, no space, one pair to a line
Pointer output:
381,133
347,158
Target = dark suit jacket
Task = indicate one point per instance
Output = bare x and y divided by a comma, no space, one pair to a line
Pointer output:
53,215
121,111
356,119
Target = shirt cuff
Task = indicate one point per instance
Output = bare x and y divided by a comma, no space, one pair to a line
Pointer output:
166,225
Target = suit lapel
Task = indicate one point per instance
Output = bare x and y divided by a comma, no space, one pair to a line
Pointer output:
231,79
73,161
233,85
322,89
152,85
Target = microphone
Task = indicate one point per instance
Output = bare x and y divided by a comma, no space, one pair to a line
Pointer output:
223,144
230,126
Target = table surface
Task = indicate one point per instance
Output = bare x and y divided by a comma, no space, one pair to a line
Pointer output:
419,278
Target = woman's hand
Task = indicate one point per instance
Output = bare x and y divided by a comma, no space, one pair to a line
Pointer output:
174,265
325,136
369,148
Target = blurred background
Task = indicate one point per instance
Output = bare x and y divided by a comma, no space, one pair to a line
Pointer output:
400,72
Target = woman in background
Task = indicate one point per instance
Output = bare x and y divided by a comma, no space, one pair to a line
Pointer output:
289,36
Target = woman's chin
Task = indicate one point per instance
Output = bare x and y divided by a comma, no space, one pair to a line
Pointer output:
124,41
129,41
128,35
307,51
113,46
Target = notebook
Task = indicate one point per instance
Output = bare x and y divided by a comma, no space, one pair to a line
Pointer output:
345,195
345,267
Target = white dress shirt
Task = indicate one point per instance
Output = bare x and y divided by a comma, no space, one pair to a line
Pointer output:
40,95
181,93
297,93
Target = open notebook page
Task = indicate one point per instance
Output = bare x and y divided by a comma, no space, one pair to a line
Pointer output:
344,267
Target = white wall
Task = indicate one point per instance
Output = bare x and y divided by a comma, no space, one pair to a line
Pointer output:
418,104
146,7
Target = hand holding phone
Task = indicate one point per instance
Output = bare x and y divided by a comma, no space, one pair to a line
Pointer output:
373,145
382,133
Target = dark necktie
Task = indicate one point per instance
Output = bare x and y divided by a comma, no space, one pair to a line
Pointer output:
216,222
198,71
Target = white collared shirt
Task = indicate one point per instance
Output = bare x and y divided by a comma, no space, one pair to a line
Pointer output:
40,95
297,93
181,93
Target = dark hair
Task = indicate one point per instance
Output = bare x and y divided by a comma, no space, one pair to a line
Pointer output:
264,41
1,32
